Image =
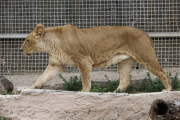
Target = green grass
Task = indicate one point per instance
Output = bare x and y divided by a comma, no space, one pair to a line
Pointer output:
97,88
6,93
75,84
3,118
175,83
147,85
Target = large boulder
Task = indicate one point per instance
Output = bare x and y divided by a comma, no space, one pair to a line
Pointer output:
5,85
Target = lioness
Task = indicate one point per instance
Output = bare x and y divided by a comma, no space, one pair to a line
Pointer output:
97,47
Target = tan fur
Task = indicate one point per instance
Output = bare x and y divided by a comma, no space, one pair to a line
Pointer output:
93,47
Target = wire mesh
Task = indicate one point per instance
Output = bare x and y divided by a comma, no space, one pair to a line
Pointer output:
20,16
167,51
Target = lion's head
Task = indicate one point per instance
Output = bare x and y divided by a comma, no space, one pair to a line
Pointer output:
32,41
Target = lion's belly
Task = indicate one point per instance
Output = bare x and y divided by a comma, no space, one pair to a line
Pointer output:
114,60
71,63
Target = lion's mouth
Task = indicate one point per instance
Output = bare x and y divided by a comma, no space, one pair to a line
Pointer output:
28,54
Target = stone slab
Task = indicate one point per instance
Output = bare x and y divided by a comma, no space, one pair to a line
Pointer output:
33,104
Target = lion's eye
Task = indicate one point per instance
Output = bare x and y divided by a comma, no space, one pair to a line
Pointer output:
27,41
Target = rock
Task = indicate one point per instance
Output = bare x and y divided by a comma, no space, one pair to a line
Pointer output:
19,89
50,87
5,85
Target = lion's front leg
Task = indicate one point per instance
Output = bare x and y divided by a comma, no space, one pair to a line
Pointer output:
85,71
48,74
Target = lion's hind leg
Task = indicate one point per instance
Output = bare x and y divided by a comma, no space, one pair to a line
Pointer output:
153,66
163,76
124,69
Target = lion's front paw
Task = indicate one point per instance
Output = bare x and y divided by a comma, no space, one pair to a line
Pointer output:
36,87
165,90
32,87
170,89
84,90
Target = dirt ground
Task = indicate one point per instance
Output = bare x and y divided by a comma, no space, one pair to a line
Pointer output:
29,79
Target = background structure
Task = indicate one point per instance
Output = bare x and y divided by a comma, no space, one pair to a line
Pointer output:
160,18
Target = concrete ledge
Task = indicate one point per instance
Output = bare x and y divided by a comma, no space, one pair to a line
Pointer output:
151,34
41,104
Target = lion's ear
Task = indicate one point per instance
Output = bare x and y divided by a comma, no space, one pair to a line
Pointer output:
38,31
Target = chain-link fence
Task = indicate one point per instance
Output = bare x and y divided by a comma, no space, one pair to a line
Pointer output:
160,18
21,16
167,52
